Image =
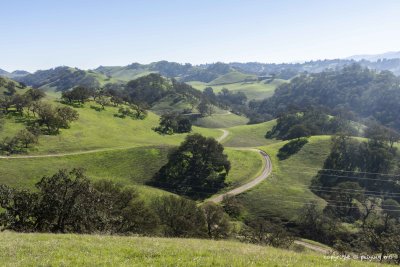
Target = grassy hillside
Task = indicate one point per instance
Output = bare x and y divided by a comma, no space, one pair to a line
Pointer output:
246,165
286,190
232,77
125,73
84,250
171,103
253,89
101,129
4,81
64,78
221,121
249,135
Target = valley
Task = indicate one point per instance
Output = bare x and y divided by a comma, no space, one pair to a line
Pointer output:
260,188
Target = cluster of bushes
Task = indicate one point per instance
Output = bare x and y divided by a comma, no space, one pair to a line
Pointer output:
26,101
20,142
307,123
291,148
377,232
104,97
235,101
133,111
44,114
354,89
171,123
37,115
68,202
107,96
370,163
358,183
54,117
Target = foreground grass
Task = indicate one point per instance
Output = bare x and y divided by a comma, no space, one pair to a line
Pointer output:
85,250
286,190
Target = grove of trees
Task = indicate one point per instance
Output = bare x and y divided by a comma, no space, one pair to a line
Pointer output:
171,123
197,168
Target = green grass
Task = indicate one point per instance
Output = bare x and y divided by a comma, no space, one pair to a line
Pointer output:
246,165
257,90
233,77
283,193
18,88
134,166
85,250
98,130
170,104
249,135
221,121
127,166
126,74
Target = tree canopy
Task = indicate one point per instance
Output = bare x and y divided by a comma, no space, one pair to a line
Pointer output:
196,169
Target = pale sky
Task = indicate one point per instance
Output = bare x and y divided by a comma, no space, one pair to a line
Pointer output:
42,34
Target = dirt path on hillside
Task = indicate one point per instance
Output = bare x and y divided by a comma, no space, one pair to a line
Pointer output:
312,247
225,134
267,169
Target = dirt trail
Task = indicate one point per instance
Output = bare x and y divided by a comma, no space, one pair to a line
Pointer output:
225,133
267,169
313,247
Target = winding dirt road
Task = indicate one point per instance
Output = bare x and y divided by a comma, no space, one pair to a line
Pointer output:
267,169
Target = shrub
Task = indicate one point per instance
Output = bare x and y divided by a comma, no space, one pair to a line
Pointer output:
291,148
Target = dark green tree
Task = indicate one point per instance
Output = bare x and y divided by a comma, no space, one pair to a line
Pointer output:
197,168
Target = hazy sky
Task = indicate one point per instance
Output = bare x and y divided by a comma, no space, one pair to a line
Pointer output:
87,33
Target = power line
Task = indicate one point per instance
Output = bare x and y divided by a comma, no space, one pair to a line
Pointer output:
308,203
310,187
328,202
333,190
354,172
295,197
350,177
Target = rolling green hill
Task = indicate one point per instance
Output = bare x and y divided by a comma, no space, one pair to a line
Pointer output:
233,77
131,166
64,78
123,150
7,82
124,73
254,90
284,193
84,250
221,121
100,130
249,135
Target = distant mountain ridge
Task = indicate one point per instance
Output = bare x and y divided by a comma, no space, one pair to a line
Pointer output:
376,57
14,74
64,78
3,72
